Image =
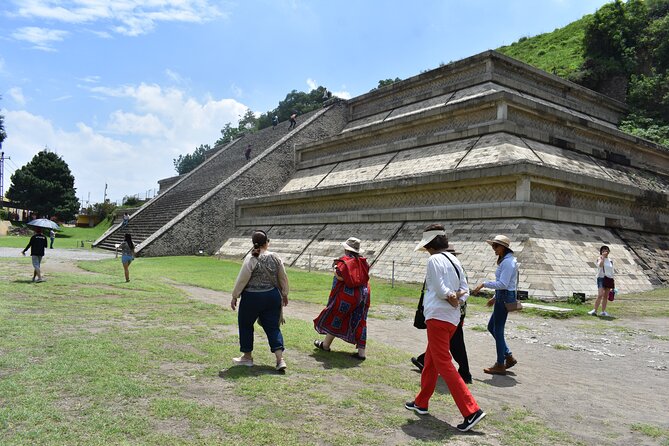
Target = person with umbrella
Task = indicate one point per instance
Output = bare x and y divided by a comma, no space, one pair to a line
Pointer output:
37,244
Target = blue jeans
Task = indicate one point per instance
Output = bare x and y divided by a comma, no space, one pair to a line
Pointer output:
498,320
263,305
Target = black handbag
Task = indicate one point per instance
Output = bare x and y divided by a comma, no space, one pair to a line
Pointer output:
419,317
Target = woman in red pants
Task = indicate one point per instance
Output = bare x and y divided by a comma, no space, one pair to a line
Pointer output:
445,290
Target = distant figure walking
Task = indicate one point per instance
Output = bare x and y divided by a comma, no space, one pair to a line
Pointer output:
262,284
52,236
505,283
247,152
345,315
37,245
126,220
293,120
275,121
605,282
127,255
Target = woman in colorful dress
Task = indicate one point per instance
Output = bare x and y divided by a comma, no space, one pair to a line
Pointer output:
345,316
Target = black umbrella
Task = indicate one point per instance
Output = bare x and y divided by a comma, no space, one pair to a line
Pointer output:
44,223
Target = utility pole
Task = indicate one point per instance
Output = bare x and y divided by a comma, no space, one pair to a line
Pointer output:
2,177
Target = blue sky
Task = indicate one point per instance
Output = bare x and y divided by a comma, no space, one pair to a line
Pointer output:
119,88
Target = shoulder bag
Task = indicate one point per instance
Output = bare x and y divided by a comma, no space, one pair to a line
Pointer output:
419,317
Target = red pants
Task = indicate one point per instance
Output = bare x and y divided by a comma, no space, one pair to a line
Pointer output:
438,362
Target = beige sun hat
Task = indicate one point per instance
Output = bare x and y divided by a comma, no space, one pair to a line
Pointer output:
428,236
352,244
502,240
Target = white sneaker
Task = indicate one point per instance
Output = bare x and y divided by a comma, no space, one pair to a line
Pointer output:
604,313
243,361
592,312
281,365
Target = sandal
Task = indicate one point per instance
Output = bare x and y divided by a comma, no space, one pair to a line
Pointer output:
319,344
357,356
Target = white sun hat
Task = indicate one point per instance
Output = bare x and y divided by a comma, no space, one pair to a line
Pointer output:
428,236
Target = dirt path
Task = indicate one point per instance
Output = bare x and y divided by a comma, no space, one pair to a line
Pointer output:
592,378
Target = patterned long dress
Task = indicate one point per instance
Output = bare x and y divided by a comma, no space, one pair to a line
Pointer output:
345,315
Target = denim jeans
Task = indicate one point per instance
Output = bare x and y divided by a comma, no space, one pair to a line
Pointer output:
263,305
498,320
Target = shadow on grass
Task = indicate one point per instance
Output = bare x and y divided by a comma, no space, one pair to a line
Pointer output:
239,371
24,281
335,360
429,428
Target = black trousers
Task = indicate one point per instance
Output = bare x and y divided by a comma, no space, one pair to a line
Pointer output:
458,351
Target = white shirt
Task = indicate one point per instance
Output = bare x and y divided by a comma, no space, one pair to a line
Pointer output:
440,280
604,267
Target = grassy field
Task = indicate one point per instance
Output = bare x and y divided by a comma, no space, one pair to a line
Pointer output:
66,238
88,359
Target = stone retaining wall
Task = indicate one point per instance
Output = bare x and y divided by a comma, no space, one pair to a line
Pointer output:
556,259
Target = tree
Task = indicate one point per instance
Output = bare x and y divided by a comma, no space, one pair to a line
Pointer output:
296,101
389,81
45,185
188,162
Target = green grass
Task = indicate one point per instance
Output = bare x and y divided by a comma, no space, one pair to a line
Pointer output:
90,359
220,275
655,432
560,51
67,238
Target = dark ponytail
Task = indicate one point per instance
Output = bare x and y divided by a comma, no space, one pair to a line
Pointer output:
259,239
128,240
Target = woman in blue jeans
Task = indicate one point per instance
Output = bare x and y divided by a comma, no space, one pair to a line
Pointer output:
263,286
506,278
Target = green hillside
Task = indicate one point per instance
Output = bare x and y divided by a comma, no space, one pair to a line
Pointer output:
622,50
560,52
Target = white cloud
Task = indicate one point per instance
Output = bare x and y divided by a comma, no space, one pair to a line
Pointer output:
132,147
174,76
41,38
90,79
127,17
312,84
17,95
2,65
130,123
237,91
342,94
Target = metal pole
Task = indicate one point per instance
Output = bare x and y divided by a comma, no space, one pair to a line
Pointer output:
392,281
309,262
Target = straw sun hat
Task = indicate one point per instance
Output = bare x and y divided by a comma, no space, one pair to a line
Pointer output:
501,240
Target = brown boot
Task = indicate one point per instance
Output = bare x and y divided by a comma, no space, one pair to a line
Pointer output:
510,361
497,369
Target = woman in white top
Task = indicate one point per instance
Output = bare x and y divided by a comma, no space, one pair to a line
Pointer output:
263,286
604,280
445,290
